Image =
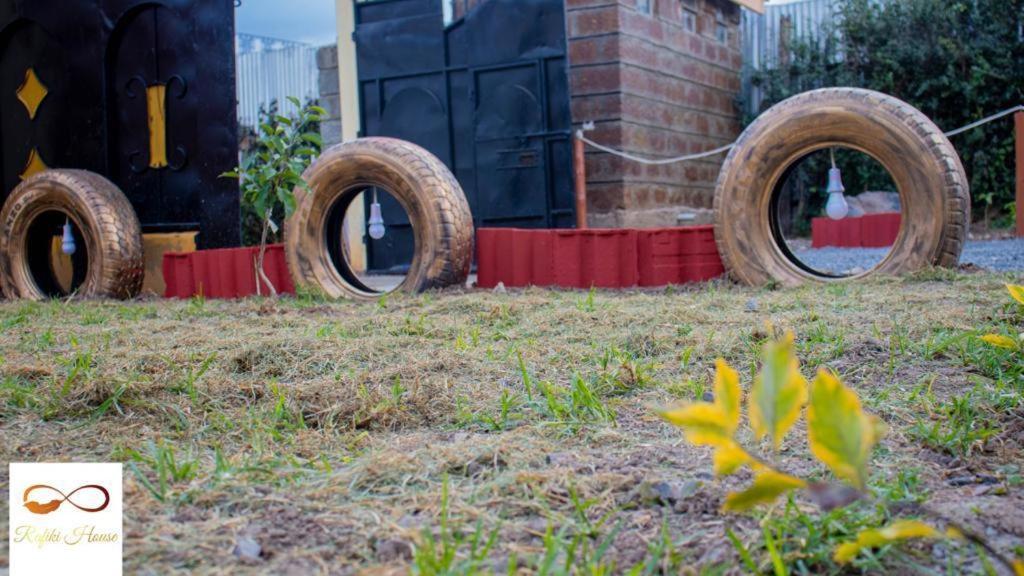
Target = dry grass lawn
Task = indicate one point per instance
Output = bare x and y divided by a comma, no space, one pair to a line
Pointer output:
507,431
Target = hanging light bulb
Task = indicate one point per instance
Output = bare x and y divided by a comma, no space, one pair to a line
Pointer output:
836,207
377,229
67,242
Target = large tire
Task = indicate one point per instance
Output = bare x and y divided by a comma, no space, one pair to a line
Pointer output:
924,165
426,189
108,262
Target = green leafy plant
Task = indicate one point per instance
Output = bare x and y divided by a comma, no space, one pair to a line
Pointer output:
270,174
955,60
840,434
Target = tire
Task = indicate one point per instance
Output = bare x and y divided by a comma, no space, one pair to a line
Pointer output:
108,262
929,176
426,189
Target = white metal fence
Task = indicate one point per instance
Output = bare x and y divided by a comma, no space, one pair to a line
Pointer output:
271,70
763,34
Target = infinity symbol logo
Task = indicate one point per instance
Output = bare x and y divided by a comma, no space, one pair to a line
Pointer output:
47,507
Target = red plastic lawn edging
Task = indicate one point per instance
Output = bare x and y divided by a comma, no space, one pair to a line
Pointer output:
613,258
224,273
868,231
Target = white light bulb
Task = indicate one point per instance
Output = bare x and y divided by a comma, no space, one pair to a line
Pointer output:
67,243
377,229
836,208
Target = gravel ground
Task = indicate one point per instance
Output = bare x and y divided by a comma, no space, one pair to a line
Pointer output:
997,255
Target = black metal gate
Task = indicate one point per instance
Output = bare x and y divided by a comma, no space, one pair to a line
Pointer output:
488,94
140,91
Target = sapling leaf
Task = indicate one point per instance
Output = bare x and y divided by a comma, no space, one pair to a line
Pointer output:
728,395
712,423
1000,341
840,433
768,485
875,537
703,423
779,392
1016,292
729,458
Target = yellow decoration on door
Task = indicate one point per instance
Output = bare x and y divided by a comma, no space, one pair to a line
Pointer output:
156,101
34,165
32,92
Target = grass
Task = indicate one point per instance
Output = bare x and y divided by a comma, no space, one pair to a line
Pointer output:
474,432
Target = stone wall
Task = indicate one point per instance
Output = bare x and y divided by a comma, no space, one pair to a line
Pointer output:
330,99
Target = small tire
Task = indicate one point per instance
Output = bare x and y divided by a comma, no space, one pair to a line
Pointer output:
432,198
109,261
926,169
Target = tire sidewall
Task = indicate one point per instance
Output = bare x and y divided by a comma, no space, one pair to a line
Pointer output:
817,120
31,199
345,170
110,232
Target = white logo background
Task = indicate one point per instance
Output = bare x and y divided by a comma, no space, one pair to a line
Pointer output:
67,540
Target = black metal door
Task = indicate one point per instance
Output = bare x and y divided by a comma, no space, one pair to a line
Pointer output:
140,91
148,155
488,94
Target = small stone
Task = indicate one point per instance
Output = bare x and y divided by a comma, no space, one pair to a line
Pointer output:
561,459
752,305
500,288
390,550
668,493
247,549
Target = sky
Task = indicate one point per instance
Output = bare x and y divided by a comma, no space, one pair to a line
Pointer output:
309,21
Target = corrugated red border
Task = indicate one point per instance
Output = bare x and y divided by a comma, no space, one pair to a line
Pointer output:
224,273
603,258
868,231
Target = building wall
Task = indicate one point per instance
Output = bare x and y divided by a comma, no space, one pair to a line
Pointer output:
330,99
659,78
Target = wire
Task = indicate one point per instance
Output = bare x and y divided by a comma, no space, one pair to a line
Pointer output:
650,161
985,120
723,149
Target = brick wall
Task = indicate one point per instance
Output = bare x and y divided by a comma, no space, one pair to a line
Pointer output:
658,78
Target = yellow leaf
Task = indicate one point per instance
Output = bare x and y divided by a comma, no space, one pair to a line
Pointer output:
1018,567
779,392
729,458
703,424
768,485
712,424
1000,341
1016,292
895,532
727,394
839,432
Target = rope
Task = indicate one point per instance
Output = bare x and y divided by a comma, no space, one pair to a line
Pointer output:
986,120
726,148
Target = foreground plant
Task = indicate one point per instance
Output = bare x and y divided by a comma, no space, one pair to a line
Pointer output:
840,434
1014,342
